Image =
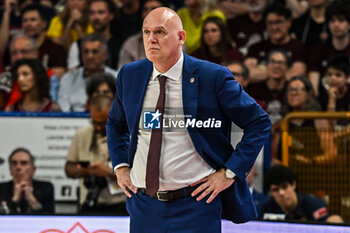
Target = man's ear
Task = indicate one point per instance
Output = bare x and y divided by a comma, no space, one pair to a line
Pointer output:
294,185
182,37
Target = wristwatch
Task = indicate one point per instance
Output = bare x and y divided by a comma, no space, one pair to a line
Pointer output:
230,174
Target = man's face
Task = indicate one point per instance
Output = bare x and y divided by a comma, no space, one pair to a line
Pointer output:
162,37
336,78
32,24
100,17
277,66
339,27
277,27
237,71
21,168
284,195
99,119
93,55
22,48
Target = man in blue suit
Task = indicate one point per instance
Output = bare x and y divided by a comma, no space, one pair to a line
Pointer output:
199,175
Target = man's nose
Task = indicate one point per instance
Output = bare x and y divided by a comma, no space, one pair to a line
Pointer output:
281,192
152,37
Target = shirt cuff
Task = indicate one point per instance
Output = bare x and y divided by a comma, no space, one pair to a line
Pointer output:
121,165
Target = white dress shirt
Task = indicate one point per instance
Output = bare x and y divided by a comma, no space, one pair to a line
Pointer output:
180,164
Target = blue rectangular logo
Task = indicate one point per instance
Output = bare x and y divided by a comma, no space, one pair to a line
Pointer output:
151,120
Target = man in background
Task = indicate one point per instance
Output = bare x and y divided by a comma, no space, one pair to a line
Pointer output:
286,203
23,194
88,160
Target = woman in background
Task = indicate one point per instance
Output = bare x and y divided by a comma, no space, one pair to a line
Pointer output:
34,86
216,45
312,140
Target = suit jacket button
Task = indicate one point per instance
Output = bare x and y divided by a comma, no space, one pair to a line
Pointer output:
192,80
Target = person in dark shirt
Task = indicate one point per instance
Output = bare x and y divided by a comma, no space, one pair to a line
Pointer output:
215,43
338,20
270,93
286,203
129,19
23,194
52,55
311,27
335,91
248,29
278,23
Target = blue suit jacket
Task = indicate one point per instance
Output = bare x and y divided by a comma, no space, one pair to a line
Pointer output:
208,91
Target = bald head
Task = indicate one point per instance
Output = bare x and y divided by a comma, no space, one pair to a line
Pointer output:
167,15
163,37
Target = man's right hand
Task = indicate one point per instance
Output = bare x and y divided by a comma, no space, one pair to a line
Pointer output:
124,181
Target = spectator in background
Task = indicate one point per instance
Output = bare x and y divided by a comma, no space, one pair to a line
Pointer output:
259,198
102,14
10,17
132,49
249,28
286,203
270,93
278,23
240,73
234,8
335,91
72,24
21,46
216,45
96,179
311,27
310,137
34,86
72,96
100,84
129,20
23,194
52,55
193,16
338,20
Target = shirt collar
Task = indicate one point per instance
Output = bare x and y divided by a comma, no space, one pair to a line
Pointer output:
173,73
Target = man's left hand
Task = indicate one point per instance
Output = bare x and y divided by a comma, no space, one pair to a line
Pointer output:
212,185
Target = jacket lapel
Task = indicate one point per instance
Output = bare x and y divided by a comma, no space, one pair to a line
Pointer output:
139,90
190,82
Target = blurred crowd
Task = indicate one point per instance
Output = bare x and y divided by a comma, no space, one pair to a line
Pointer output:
64,56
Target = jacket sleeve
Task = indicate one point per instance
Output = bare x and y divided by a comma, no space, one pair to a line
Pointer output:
118,137
241,109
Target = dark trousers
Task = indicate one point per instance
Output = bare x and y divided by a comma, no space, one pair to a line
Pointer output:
185,215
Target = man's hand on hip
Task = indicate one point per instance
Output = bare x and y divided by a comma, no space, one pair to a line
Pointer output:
212,185
124,181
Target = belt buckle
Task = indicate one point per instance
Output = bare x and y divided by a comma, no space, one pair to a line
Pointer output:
159,193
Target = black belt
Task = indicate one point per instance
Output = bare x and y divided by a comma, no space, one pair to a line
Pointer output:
173,194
